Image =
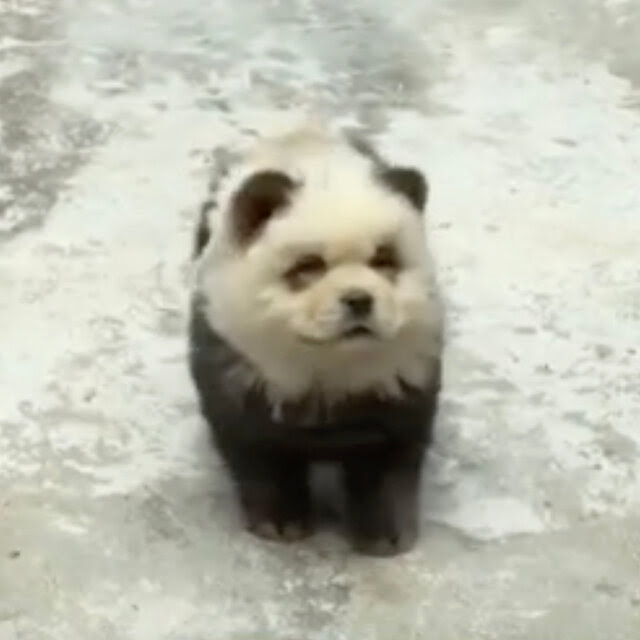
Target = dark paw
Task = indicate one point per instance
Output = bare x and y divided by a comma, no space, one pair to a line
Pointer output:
385,524
273,515
290,531
284,532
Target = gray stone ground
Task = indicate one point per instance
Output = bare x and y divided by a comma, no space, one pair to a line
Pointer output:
116,522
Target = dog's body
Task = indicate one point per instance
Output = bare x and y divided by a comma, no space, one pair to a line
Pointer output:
316,333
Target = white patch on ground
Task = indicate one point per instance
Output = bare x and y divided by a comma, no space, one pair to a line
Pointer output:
488,518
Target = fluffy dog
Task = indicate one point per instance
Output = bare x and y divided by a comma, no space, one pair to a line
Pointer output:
316,331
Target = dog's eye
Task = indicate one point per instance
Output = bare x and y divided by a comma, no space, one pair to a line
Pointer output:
305,270
308,264
385,258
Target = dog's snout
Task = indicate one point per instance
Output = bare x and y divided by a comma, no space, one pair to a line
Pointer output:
358,302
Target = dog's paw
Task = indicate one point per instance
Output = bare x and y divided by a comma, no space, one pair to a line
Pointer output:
283,531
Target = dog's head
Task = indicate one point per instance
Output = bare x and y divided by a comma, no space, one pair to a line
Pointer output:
331,265
317,269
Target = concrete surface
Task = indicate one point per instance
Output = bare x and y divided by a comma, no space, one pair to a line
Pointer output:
116,522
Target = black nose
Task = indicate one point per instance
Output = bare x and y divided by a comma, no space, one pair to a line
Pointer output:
359,303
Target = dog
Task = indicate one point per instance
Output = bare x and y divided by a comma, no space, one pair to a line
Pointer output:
316,333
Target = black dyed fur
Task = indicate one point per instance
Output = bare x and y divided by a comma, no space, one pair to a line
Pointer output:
203,232
380,445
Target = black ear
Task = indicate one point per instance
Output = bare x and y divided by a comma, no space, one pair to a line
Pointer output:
258,198
409,182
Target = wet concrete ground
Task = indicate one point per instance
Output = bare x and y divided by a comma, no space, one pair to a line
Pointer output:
116,521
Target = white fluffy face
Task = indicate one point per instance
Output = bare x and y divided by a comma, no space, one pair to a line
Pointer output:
318,267
336,295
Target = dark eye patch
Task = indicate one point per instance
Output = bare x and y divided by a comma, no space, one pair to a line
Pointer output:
305,270
385,258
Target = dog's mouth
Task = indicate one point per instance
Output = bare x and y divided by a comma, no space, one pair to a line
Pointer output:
360,331
352,334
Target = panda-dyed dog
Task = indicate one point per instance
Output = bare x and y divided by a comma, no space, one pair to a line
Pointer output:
316,333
